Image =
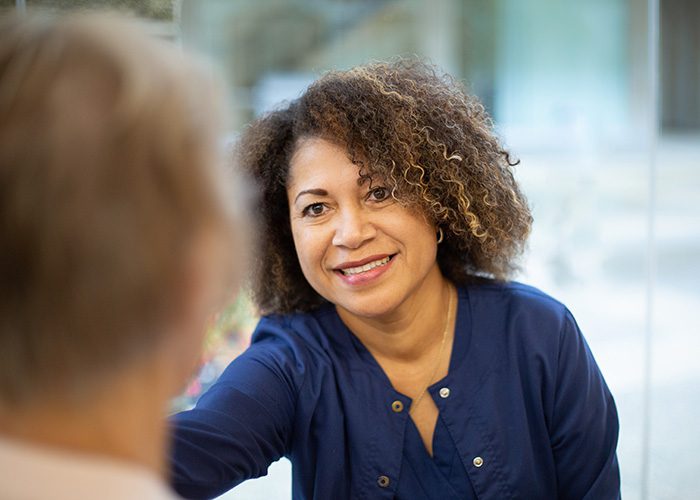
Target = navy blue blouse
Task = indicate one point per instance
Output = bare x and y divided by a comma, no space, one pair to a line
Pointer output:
524,405
440,477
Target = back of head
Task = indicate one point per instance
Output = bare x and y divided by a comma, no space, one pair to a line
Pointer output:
108,171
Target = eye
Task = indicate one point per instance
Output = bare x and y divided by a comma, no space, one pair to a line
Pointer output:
314,210
379,193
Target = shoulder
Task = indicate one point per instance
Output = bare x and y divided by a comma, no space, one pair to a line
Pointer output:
513,292
306,328
280,356
513,300
294,340
517,329
519,317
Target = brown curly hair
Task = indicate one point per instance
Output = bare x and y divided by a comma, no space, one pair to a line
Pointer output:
417,130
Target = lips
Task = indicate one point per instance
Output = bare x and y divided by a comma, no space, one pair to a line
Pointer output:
364,271
364,265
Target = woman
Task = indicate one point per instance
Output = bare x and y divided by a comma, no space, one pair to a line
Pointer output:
395,360
116,242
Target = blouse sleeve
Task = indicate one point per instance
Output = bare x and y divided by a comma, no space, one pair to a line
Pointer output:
242,423
585,424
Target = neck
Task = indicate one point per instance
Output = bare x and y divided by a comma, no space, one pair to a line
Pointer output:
124,422
411,330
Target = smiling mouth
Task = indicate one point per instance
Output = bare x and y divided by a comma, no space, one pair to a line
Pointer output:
350,271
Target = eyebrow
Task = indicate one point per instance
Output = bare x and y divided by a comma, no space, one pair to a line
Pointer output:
317,192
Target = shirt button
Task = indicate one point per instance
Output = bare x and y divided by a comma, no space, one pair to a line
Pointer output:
383,481
397,406
445,392
478,461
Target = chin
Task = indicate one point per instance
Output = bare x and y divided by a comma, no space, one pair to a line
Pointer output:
367,307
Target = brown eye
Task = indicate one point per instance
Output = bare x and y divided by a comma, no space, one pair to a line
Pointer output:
379,193
314,210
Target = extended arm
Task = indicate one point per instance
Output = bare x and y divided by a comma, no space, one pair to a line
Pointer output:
240,426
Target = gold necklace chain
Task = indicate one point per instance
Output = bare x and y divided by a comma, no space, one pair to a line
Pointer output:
415,404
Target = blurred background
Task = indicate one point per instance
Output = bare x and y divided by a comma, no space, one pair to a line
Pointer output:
600,100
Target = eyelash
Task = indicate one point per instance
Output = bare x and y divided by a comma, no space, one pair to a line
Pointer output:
387,194
307,211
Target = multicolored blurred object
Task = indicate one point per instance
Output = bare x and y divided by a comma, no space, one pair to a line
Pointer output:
227,337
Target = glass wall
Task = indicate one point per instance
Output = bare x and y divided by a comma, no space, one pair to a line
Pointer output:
608,135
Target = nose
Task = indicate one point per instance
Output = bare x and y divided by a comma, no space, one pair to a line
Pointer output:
353,228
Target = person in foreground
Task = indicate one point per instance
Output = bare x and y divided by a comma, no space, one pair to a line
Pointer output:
116,247
394,358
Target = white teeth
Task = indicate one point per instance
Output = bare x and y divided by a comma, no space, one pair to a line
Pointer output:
363,269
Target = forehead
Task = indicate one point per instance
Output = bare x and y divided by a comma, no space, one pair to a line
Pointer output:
320,160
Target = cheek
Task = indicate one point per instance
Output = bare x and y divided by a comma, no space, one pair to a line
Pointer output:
428,236
309,251
423,238
413,228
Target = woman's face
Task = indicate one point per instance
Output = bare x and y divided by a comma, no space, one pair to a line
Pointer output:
358,247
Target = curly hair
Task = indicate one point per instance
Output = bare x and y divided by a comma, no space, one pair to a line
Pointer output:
417,130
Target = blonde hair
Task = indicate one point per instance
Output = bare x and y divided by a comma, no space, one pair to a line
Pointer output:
108,171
